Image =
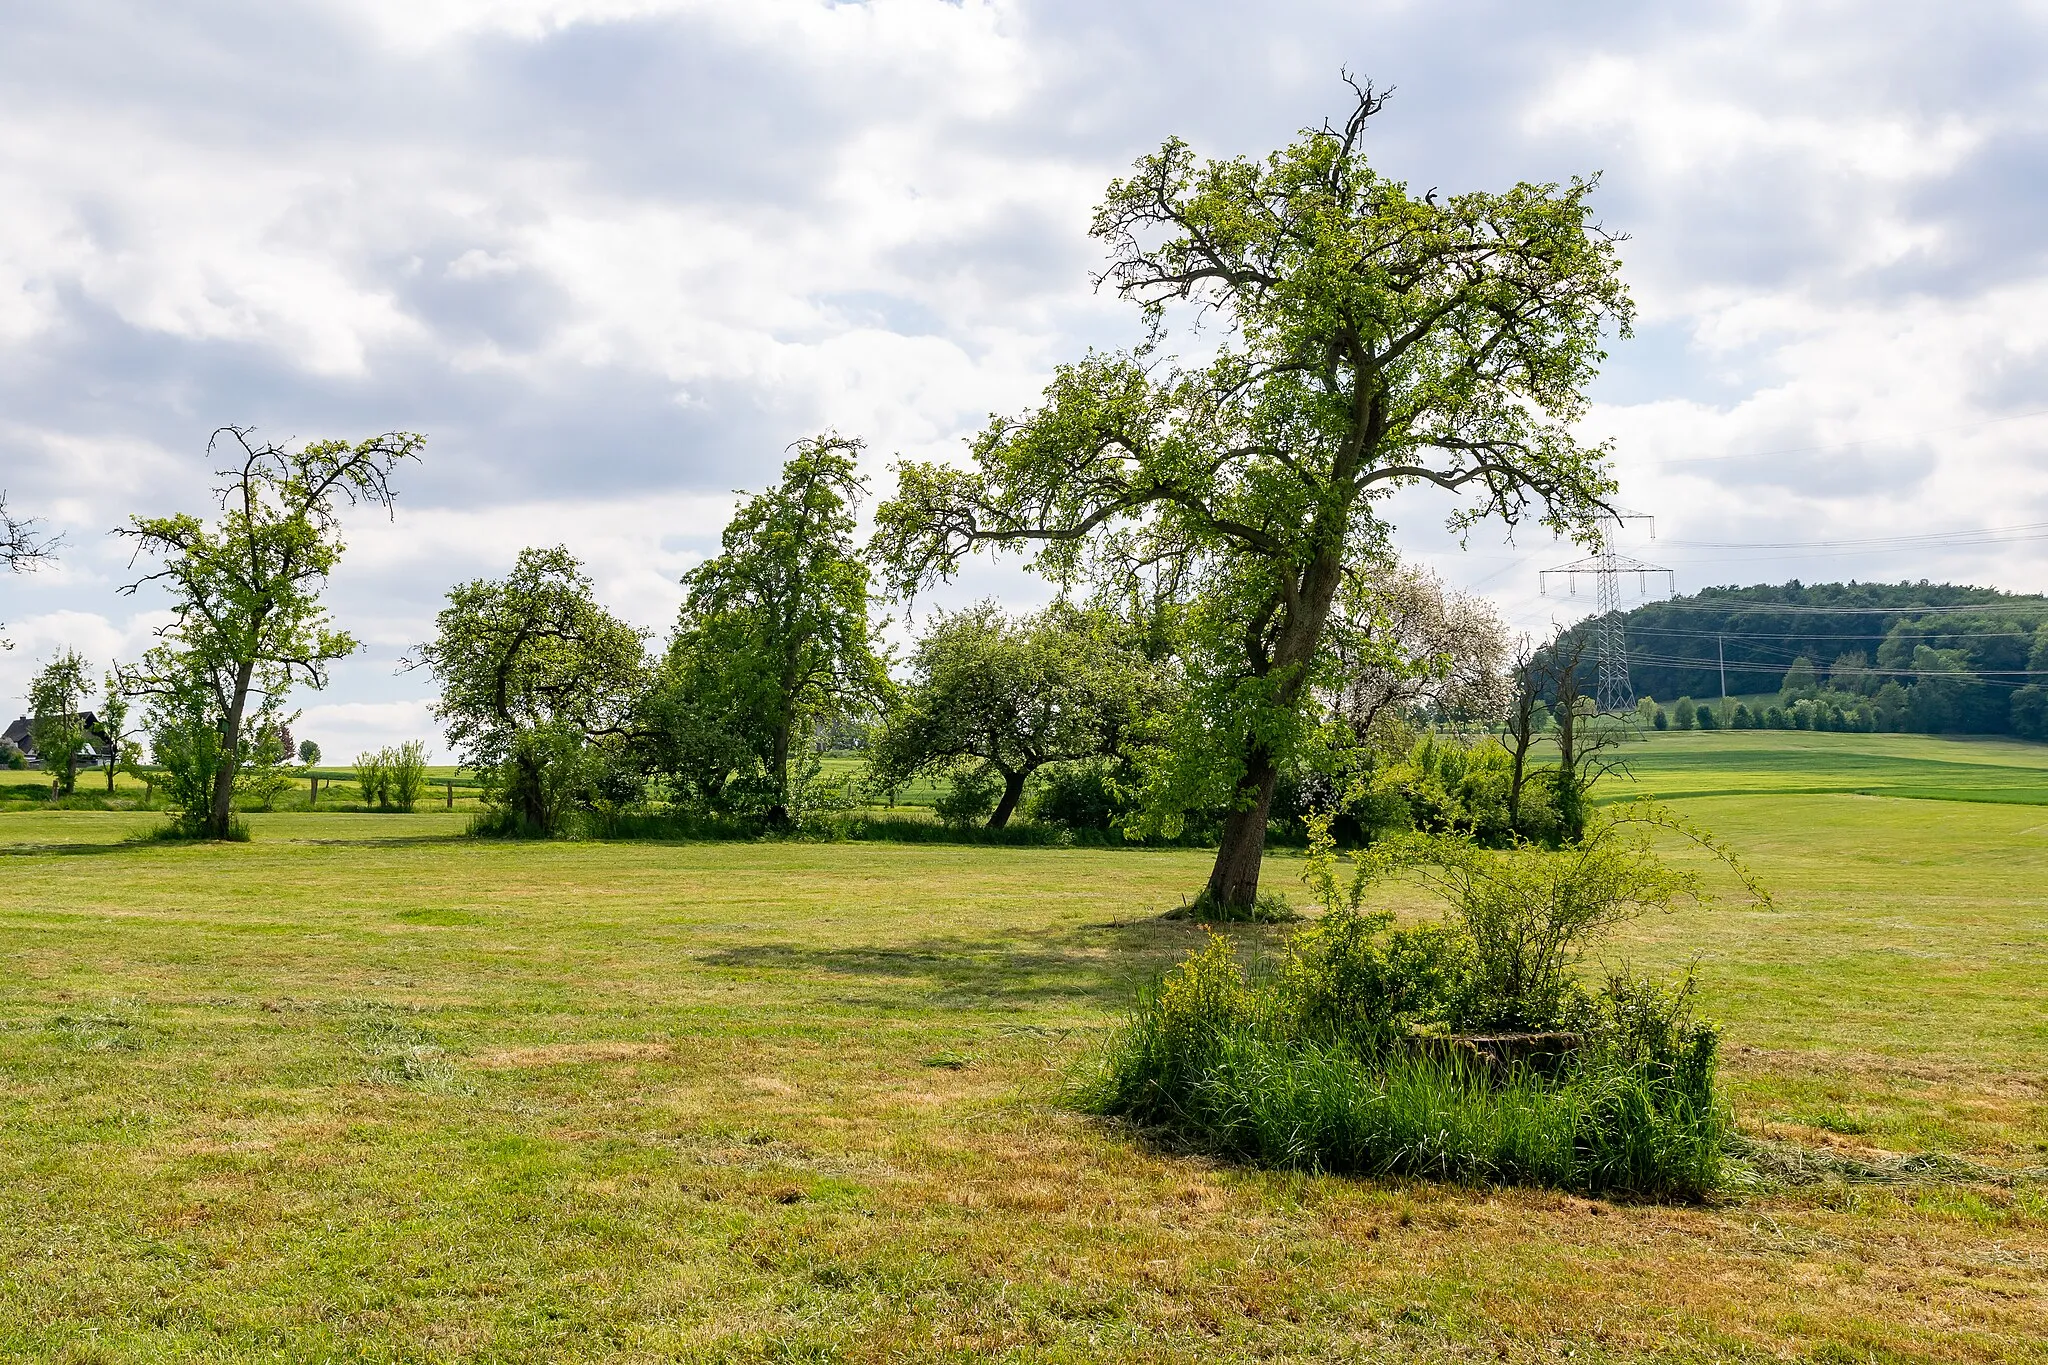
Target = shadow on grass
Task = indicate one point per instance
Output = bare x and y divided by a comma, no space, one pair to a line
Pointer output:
64,850
378,841
1099,963
148,839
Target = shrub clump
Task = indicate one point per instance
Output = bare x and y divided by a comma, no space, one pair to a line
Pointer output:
392,778
1464,1050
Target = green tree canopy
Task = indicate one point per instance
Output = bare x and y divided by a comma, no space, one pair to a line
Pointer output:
1368,340
1801,679
1850,672
531,670
1945,693
56,698
1014,694
245,595
113,726
773,638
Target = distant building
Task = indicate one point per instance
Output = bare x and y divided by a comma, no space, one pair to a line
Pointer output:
98,748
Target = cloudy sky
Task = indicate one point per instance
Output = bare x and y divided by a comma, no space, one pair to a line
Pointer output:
613,255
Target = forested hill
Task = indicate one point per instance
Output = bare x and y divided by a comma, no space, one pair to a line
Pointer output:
1985,644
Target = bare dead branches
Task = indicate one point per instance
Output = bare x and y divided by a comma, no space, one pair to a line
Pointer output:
23,547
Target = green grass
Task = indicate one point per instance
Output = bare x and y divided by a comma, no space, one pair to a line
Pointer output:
1256,1093
363,1090
1781,762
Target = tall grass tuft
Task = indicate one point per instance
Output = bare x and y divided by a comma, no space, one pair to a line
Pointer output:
1356,1050
1243,1087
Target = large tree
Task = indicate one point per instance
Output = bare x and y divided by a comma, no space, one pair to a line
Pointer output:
56,698
773,638
531,670
1367,340
1015,694
247,623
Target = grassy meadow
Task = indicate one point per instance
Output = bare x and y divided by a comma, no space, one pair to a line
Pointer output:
362,1089
1787,762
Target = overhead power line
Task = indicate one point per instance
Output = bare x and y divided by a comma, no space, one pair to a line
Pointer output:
2036,607
1848,445
2001,677
1605,567
1766,635
2032,530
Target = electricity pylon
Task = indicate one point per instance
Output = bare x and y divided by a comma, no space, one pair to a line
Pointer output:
1615,692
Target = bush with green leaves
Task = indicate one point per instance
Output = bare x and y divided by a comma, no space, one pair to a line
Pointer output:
373,780
263,778
1529,913
1359,1048
972,791
1441,785
545,775
394,777
190,754
1094,796
405,769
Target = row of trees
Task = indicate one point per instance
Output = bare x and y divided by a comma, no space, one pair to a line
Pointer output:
1370,340
561,706
1228,511
1934,692
1933,658
1937,676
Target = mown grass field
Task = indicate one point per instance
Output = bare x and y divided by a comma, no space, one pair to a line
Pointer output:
364,1090
1783,762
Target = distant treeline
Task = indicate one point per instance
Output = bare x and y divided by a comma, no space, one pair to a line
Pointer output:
1930,657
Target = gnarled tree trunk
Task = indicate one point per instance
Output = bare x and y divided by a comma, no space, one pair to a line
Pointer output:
1234,880
1013,792
221,814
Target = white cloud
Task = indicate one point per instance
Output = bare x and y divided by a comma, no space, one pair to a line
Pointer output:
345,729
612,255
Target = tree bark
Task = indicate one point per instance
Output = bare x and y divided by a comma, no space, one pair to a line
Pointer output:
1234,881
530,801
222,813
1013,792
778,814
1521,759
